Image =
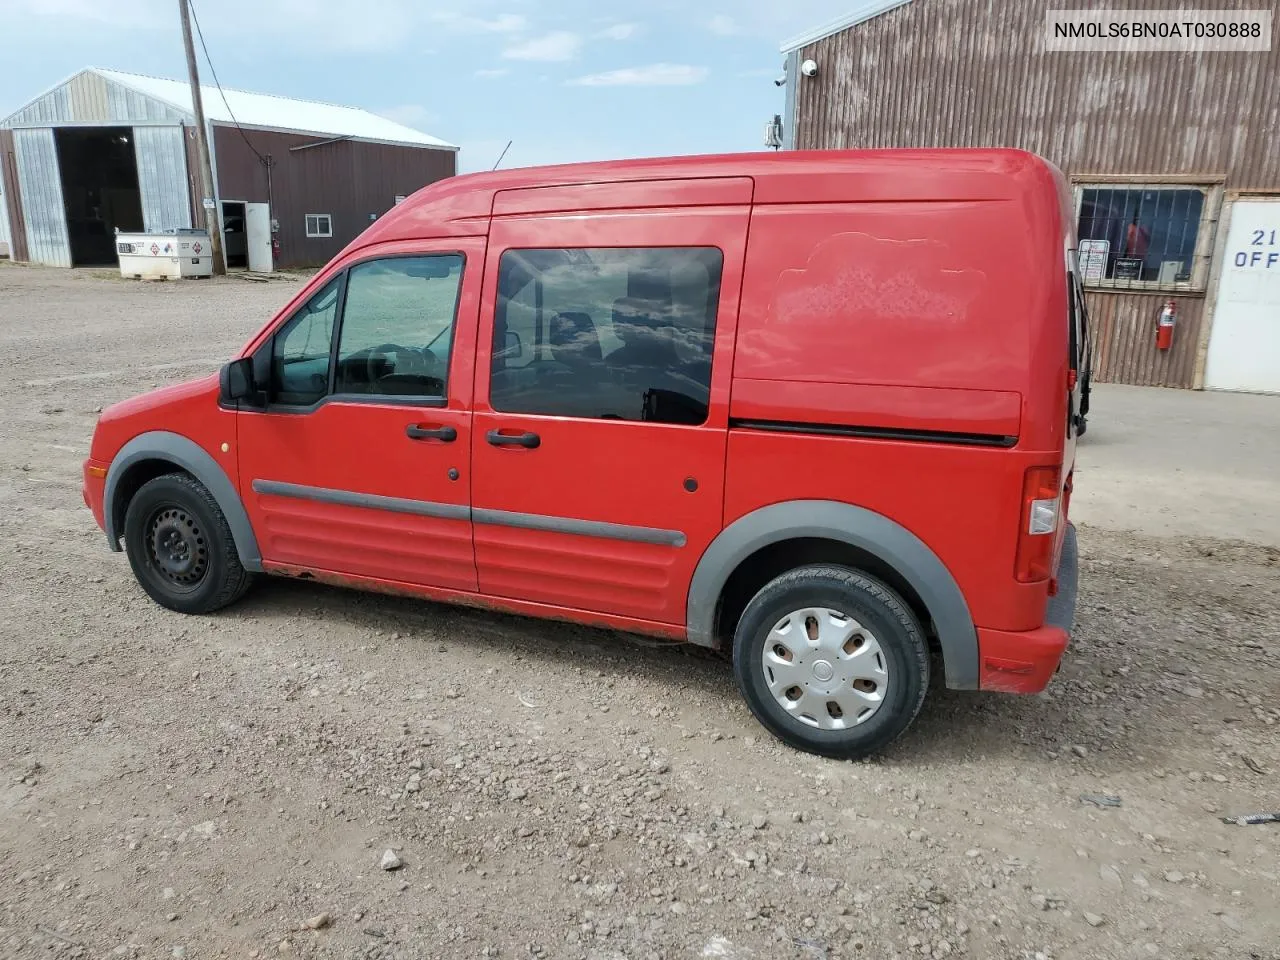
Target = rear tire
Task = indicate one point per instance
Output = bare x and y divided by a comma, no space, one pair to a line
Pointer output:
181,548
831,661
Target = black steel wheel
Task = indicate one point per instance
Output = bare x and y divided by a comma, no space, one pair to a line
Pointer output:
177,547
180,546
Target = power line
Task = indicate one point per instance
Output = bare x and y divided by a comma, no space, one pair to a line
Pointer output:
212,70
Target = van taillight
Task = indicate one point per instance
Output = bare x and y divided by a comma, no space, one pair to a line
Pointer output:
1041,507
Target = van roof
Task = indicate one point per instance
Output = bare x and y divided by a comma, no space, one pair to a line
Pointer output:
457,206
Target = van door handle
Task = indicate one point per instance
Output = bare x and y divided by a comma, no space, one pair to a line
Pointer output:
529,440
443,434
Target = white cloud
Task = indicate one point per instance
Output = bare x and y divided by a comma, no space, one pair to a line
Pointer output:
653,75
723,25
490,73
503,23
348,25
410,114
560,45
619,31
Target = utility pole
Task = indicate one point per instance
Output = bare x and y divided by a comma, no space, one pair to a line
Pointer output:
206,166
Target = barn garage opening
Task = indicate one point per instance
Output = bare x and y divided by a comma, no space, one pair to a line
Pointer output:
99,173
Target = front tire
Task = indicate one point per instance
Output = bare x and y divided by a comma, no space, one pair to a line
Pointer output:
181,548
831,661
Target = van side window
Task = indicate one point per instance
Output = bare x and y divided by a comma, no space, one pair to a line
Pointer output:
397,326
617,333
300,350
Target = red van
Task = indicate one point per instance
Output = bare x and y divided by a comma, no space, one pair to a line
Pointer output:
817,410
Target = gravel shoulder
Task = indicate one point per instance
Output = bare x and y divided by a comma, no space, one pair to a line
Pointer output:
228,786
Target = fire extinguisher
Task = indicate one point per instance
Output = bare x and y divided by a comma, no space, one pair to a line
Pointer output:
275,251
1164,332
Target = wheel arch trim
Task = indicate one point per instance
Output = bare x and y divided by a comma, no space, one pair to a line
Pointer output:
865,529
184,454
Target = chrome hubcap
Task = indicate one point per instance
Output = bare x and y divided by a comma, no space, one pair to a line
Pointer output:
825,669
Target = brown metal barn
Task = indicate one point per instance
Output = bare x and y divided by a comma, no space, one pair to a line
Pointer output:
1171,154
106,150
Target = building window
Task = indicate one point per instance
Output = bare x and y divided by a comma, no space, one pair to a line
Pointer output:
618,333
319,225
1146,236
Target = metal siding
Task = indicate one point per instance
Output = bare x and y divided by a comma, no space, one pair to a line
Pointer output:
129,106
347,179
44,215
975,73
1124,337
13,197
162,177
6,237
90,98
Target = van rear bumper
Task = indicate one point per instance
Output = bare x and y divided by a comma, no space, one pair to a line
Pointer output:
1026,661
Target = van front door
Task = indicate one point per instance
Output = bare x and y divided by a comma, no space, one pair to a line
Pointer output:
359,465
602,390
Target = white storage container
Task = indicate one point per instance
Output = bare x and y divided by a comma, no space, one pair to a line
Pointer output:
162,256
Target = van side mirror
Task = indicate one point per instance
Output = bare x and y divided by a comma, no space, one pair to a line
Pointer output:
235,383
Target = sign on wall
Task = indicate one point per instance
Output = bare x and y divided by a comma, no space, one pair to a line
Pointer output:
1093,259
1127,268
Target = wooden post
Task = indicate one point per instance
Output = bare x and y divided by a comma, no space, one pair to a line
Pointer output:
212,219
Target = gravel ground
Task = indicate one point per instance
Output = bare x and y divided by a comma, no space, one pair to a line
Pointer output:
241,785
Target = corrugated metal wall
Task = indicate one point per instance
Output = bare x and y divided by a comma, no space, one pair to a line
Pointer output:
976,73
43,213
129,106
89,97
6,237
12,197
162,177
1124,337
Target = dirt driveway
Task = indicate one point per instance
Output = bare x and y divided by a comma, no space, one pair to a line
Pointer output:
217,787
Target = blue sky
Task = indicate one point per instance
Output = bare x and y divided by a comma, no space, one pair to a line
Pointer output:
564,79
